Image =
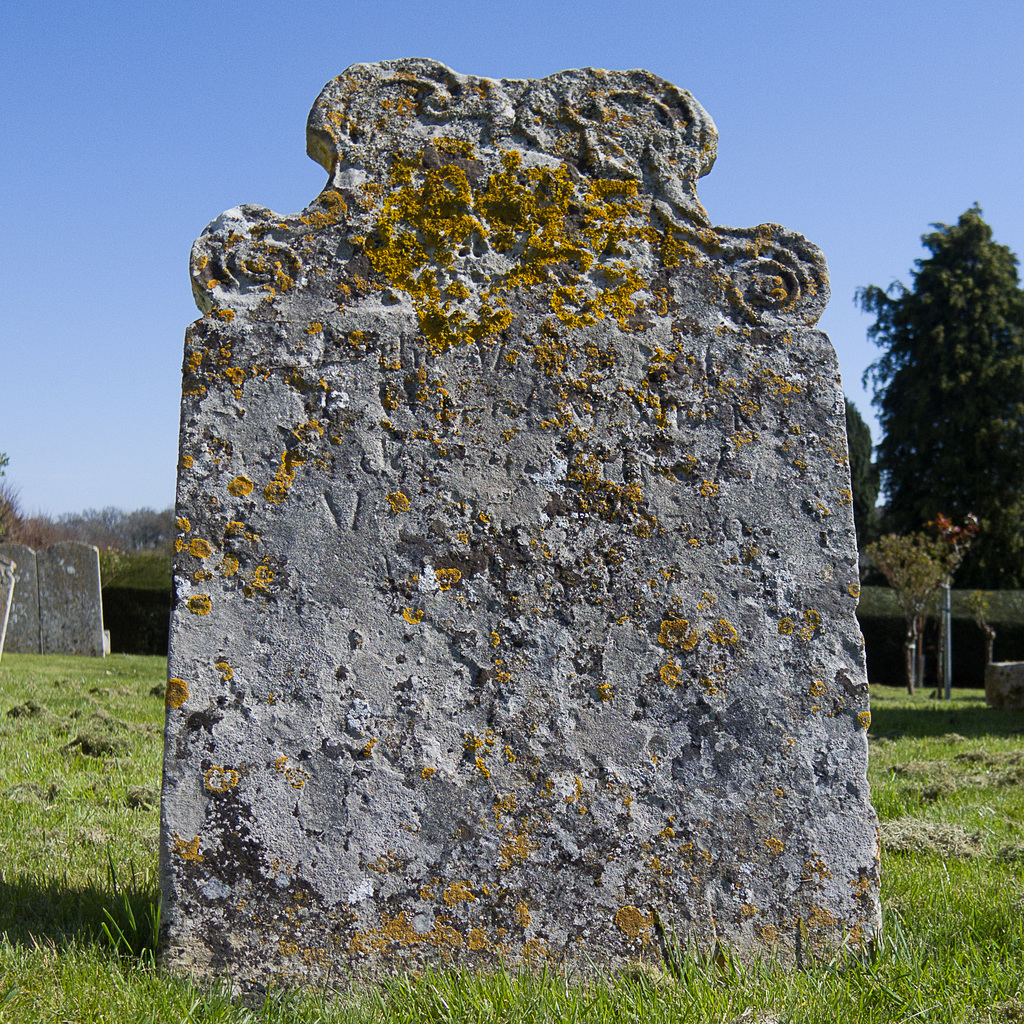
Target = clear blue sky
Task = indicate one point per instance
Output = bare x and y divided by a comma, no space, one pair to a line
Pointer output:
126,127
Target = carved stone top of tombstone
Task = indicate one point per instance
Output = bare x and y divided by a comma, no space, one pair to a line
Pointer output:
517,573
23,621
70,601
7,568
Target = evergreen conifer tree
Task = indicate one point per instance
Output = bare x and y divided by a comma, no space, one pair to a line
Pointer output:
864,476
949,388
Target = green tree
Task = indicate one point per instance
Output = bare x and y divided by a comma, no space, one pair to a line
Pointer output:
9,516
864,476
915,566
949,388
979,606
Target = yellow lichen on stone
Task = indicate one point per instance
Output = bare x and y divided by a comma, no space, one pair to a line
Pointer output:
671,674
240,487
632,921
536,949
673,632
447,578
220,780
200,548
516,850
458,892
398,502
187,849
429,220
298,777
723,632
397,931
277,490
310,431
228,565
334,210
199,604
263,576
176,693
521,914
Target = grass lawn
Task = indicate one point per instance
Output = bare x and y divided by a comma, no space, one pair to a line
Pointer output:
80,749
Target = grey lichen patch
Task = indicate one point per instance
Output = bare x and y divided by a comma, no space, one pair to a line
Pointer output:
516,571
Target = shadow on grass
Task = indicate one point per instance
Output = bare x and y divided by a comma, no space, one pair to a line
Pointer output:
940,719
37,911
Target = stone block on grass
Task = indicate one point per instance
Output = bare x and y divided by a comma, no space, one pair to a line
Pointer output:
1004,685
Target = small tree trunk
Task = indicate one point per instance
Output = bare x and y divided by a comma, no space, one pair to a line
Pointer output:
990,639
910,650
919,646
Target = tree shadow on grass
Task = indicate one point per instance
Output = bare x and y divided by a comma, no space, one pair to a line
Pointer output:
38,910
939,719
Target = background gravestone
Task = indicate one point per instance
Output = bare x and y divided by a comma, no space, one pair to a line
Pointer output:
6,595
23,621
516,571
70,602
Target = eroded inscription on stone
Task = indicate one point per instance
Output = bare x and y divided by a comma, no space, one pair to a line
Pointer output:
516,570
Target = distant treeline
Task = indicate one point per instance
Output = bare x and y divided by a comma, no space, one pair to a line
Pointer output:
110,529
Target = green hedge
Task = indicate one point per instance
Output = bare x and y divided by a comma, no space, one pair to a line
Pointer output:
137,602
884,629
137,571
138,619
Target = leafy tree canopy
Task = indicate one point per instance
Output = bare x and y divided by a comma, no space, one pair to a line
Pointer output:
8,504
949,387
915,566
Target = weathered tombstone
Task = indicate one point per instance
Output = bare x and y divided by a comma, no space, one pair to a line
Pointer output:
516,579
7,568
70,601
23,622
